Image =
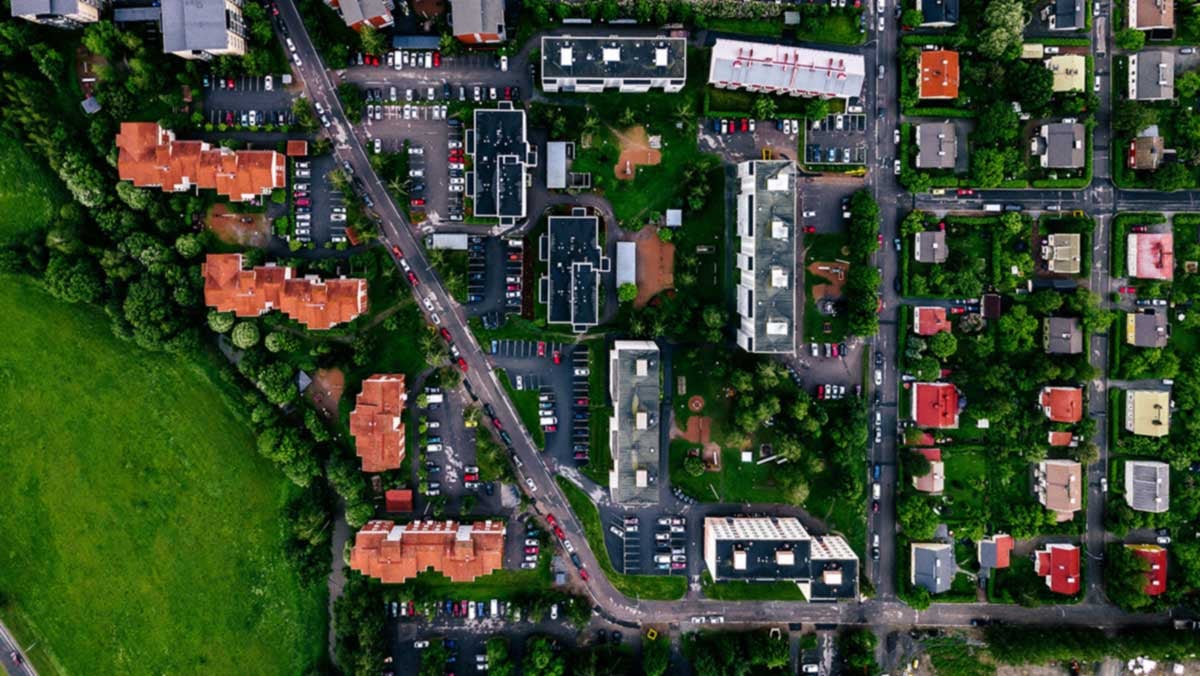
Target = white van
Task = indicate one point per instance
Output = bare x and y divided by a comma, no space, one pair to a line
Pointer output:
875,490
549,420
495,608
396,59
470,610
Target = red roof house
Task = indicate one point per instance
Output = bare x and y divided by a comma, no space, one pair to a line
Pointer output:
1059,564
935,405
461,552
939,74
1151,255
994,551
316,303
1060,438
377,423
398,500
930,320
1062,404
1156,577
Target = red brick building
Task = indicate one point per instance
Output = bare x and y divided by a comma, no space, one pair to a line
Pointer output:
461,552
377,422
315,303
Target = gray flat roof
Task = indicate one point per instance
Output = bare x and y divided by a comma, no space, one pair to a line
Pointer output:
613,57
933,566
44,7
194,25
634,386
1062,335
556,164
575,263
1064,144
774,222
937,144
1068,14
499,152
1154,75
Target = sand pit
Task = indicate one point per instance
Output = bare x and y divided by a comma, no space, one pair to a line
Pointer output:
635,150
326,390
244,229
655,265
834,272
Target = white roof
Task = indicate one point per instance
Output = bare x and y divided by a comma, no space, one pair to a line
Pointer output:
785,68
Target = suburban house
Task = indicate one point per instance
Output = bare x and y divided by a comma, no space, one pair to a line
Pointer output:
1060,145
1147,150
935,405
929,246
150,157
938,13
931,566
202,29
1062,404
1070,72
994,551
928,321
1156,558
574,263
1057,486
377,422
784,69
477,22
627,64
1062,335
359,13
58,13
1147,328
1061,251
394,553
1152,15
779,548
1150,255
1056,438
937,145
1152,75
766,256
1059,564
1148,412
1066,15
398,501
1148,486
934,482
938,77
634,370
501,154
317,304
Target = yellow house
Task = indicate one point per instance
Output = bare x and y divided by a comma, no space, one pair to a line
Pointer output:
1070,72
1148,412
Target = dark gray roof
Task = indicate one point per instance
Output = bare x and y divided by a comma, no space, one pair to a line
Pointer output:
1062,335
574,266
477,16
1152,75
634,367
1148,485
939,11
44,7
1150,328
136,14
929,246
772,241
197,25
1064,145
499,150
612,57
987,554
937,145
1068,14
933,566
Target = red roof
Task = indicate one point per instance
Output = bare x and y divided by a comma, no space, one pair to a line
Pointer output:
1063,404
377,423
150,157
935,405
1156,577
1060,438
1059,564
316,303
297,148
930,320
394,553
1003,545
398,500
1151,255
939,74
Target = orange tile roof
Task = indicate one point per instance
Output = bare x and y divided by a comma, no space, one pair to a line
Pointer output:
939,74
1062,404
935,405
399,500
1060,438
150,157
930,320
395,553
297,148
377,424
316,303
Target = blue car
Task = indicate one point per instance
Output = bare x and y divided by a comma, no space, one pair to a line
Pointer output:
876,471
716,126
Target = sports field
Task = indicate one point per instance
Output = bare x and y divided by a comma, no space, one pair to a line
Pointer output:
139,529
29,191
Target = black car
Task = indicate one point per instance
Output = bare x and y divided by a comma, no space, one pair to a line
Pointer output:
446,91
490,410
576,560
506,438
878,359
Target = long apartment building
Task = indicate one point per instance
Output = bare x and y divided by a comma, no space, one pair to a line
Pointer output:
314,302
633,384
766,256
58,13
627,64
394,553
785,69
768,549
502,154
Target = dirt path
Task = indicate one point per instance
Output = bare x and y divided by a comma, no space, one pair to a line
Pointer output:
326,390
655,265
834,272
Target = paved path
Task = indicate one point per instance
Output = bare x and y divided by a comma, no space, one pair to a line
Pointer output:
10,648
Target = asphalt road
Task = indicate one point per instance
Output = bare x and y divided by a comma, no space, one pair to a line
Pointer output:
8,646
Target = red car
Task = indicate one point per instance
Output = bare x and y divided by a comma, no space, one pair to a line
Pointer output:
551,428
581,402
541,348
551,520
810,229
412,278
833,349
437,59
514,257
274,9
508,93
583,574
745,124
531,550
497,423
557,357
1127,289
957,310
230,81
965,192
396,250
446,334
820,391
558,533
1138,228
303,202
462,364
470,477
418,202
879,239
874,505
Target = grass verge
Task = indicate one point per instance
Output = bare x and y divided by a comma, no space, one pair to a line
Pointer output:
526,402
779,590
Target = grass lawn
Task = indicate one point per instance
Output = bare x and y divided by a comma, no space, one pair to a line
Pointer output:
968,265
526,403
29,191
821,247
736,482
599,454
659,587
841,29
844,516
780,590
966,479
141,527
696,367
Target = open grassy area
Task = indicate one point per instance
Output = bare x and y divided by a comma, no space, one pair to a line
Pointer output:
141,527
599,454
780,590
661,587
966,479
736,482
30,193
526,403
822,247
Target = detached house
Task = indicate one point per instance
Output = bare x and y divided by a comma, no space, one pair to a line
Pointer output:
1148,412
202,29
1057,486
359,13
1147,328
1156,559
1062,335
1062,404
935,405
1059,565
1150,255
938,13
1060,145
928,321
931,566
933,482
994,551
1148,486
938,74
1152,15
1152,75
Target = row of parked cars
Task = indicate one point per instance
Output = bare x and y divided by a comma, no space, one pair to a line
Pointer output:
580,391
727,126
670,540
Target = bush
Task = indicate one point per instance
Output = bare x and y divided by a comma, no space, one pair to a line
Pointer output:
245,335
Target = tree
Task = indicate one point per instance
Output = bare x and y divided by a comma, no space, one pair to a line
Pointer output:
1004,22
1125,578
764,107
926,368
1130,39
190,245
915,181
627,118
75,280
1173,176
245,335
693,465
137,198
279,341
916,516
1045,302
1017,331
627,292
857,647
998,124
943,345
373,40
1130,117
499,661
352,100
911,18
987,167
542,657
220,322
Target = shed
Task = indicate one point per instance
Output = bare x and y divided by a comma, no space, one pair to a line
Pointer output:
626,263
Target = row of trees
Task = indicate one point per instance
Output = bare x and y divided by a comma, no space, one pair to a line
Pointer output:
861,291
729,653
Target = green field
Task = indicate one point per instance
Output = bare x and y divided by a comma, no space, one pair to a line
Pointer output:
29,192
779,590
141,528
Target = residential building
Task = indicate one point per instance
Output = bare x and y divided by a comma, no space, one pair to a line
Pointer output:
1148,485
572,285
377,422
1060,145
1070,72
477,22
317,304
1153,15
202,29
928,321
1062,404
1150,255
634,385
1152,75
1148,412
933,482
938,13
935,405
1062,252
501,154
395,553
1059,565
994,551
359,13
1147,150
1062,335
1147,328
929,246
1156,575
766,256
1060,439
931,566
1066,15
1057,487
779,548
627,64
398,501
938,77
58,13
150,157
784,69
937,145
558,159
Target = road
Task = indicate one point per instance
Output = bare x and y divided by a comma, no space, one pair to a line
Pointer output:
9,648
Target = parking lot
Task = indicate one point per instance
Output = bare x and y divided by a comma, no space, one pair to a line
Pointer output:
246,101
495,278
725,137
837,139
557,386
319,211
649,545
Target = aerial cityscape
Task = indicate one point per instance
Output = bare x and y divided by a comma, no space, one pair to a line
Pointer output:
600,337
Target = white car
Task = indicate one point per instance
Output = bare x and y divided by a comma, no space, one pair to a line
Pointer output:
296,59
530,484
291,45
503,64
810,214
427,303
253,118
325,121
896,167
554,611
896,136
433,316
408,113
878,377
378,112
429,94
320,108
420,644
378,145
337,218
416,150
268,84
